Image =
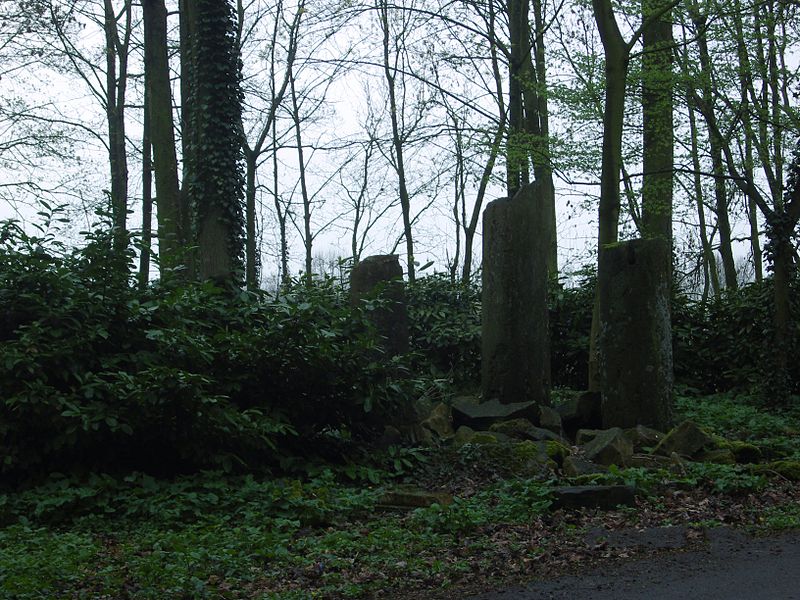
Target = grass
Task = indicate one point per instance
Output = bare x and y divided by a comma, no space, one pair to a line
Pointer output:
213,535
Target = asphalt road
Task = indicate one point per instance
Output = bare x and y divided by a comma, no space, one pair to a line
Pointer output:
732,567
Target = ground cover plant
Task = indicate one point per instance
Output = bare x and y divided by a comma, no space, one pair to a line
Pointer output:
326,535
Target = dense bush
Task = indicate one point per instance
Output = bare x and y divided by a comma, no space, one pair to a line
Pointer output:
95,373
445,327
724,344
727,343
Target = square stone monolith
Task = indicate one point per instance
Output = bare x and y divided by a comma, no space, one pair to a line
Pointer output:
515,347
635,338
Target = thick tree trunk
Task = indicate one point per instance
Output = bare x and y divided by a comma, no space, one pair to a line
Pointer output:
657,125
617,55
544,171
171,236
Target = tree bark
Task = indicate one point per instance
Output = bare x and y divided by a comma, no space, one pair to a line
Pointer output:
397,140
657,125
171,236
116,85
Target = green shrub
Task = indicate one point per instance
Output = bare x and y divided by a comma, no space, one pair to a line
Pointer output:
727,344
445,327
96,374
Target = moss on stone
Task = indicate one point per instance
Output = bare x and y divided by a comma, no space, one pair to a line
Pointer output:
790,469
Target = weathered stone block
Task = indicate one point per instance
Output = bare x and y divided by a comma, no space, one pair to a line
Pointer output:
643,437
381,276
581,411
550,419
440,421
687,439
468,410
635,337
609,447
515,352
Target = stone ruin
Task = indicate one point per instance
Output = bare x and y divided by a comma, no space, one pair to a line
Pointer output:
635,337
515,350
381,276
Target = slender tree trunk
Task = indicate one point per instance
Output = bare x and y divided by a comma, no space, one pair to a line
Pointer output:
171,238
745,73
116,84
397,140
715,142
519,76
709,261
279,211
471,228
617,56
543,171
251,261
147,198
308,238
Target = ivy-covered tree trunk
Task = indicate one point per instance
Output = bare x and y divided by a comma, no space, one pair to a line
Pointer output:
215,184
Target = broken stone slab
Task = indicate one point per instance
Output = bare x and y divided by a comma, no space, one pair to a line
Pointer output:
580,412
584,436
687,439
790,469
551,420
466,435
744,452
469,410
440,421
575,466
604,497
609,447
410,498
523,429
643,437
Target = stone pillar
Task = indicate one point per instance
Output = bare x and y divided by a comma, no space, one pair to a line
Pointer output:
381,276
515,347
635,337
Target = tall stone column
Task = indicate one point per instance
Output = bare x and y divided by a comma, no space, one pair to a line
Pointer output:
381,276
635,338
515,348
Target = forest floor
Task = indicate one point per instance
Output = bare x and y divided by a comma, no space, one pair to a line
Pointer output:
326,533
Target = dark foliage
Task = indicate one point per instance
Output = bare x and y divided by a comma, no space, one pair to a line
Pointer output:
96,374
726,344
445,327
